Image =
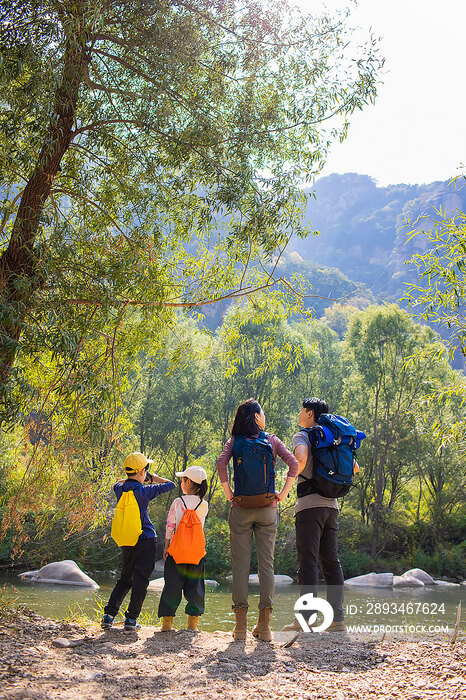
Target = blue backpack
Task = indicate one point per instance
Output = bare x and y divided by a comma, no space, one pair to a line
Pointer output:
334,443
253,471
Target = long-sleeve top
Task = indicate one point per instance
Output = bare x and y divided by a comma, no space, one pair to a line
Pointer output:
279,450
144,494
177,509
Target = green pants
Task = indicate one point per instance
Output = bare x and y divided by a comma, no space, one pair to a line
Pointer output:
244,523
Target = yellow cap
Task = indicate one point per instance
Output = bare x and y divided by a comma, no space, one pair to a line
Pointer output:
135,462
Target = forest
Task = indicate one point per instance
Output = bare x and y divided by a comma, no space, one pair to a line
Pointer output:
376,366
155,164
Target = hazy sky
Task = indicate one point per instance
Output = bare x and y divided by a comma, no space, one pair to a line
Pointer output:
416,131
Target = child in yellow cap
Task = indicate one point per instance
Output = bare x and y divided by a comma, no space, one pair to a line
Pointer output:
138,560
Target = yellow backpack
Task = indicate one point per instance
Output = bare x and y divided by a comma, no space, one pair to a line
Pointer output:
126,523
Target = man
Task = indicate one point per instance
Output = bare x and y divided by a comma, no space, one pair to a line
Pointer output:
316,521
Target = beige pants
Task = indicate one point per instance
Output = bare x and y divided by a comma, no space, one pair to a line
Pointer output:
263,523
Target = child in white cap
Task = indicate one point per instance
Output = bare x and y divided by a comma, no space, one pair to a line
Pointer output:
185,551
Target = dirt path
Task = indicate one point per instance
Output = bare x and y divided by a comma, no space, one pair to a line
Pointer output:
96,665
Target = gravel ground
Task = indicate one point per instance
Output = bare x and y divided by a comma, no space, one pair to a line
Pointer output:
45,659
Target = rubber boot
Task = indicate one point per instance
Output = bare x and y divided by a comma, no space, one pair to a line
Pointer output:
192,623
167,624
241,626
262,630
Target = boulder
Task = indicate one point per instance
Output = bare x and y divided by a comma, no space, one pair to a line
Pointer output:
280,579
446,584
211,583
406,581
372,579
158,568
158,583
283,580
65,572
421,576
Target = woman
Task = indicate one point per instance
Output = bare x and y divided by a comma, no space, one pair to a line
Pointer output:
253,509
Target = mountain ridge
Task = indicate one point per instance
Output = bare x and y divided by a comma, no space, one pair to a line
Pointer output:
363,227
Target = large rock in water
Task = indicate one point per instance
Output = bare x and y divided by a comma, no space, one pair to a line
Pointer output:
421,576
406,581
65,572
372,579
280,579
157,584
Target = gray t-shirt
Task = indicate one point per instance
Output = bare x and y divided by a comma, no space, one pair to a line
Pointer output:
313,500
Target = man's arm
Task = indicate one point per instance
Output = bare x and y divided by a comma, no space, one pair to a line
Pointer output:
301,452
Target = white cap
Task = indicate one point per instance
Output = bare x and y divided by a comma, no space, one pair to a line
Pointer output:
196,474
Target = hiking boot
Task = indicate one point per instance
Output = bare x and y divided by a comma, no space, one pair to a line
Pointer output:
131,625
167,623
192,623
241,626
262,630
336,626
292,627
107,622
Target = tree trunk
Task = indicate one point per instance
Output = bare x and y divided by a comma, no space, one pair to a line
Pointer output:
375,534
19,278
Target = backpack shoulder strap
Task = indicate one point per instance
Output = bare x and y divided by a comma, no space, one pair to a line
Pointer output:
200,501
182,499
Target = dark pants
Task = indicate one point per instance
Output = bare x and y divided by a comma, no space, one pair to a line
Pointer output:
182,578
138,565
317,542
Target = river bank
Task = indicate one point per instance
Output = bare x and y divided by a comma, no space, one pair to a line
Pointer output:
97,665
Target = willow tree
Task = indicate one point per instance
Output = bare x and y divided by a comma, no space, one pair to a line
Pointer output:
149,148
150,151
384,390
439,297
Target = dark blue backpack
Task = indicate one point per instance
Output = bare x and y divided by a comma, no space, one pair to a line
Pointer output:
334,443
253,471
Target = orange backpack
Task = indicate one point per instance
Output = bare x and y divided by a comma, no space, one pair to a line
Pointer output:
188,542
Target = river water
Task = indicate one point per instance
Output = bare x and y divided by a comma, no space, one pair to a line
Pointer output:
379,608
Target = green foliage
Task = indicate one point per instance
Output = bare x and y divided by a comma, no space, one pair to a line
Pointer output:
355,563
337,317
218,558
8,598
127,185
386,392
450,562
285,545
439,294
152,157
180,399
